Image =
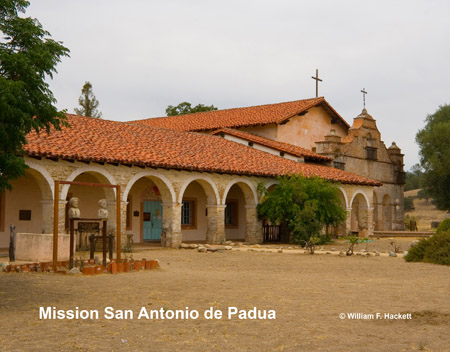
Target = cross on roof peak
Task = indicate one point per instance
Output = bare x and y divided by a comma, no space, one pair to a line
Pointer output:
317,82
364,97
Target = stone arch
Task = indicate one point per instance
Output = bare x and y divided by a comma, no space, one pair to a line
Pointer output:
271,183
161,181
249,190
360,209
208,185
105,175
45,180
363,195
344,195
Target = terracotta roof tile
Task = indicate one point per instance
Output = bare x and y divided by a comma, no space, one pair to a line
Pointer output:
239,117
118,142
284,147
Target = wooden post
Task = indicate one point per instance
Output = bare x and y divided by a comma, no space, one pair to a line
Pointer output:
118,236
72,235
55,225
104,242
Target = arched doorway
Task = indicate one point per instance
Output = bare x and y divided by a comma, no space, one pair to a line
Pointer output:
241,222
28,206
199,211
359,217
149,198
89,197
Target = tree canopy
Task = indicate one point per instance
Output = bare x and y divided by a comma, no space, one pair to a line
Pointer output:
414,178
186,108
88,102
27,57
306,205
434,144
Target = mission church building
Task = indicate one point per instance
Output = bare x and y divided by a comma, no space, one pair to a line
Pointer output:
195,177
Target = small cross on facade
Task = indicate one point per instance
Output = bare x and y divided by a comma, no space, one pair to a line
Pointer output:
364,97
317,82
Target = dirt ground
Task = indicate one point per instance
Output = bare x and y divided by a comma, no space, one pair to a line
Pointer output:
307,292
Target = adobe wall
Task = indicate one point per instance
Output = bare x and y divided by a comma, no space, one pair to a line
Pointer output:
304,131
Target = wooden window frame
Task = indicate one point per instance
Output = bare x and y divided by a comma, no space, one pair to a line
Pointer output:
193,207
371,153
2,211
339,165
129,214
235,212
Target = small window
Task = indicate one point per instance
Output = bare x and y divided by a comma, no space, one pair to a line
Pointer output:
2,211
339,165
231,213
129,218
371,153
188,214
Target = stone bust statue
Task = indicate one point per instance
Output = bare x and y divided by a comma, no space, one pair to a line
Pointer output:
74,211
102,211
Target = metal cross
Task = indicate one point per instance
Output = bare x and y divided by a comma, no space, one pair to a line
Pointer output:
364,96
317,82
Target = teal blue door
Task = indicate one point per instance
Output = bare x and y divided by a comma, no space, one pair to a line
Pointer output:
152,220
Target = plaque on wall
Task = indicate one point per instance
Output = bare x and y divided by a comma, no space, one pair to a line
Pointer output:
25,215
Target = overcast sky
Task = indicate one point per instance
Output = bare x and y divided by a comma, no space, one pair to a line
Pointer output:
142,56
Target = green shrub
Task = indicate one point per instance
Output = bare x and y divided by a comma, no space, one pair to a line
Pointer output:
435,249
443,226
409,204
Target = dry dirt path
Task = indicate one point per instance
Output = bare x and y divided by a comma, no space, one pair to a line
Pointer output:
307,293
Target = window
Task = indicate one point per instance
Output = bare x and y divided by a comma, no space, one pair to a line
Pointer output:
339,165
188,214
231,213
2,211
129,222
371,153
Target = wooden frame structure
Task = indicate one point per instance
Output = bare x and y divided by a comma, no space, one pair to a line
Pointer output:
56,216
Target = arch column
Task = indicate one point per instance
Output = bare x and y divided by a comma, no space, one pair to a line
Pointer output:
171,232
348,221
47,215
253,230
61,216
215,230
370,221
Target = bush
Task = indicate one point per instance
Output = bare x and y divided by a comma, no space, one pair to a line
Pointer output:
443,226
435,249
409,204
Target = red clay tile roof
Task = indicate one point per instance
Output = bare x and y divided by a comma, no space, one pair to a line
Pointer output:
284,147
240,117
117,142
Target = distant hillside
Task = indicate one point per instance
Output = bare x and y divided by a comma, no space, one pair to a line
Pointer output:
425,212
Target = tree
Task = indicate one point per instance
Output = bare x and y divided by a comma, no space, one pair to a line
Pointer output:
414,178
306,205
186,108
27,56
88,102
434,144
